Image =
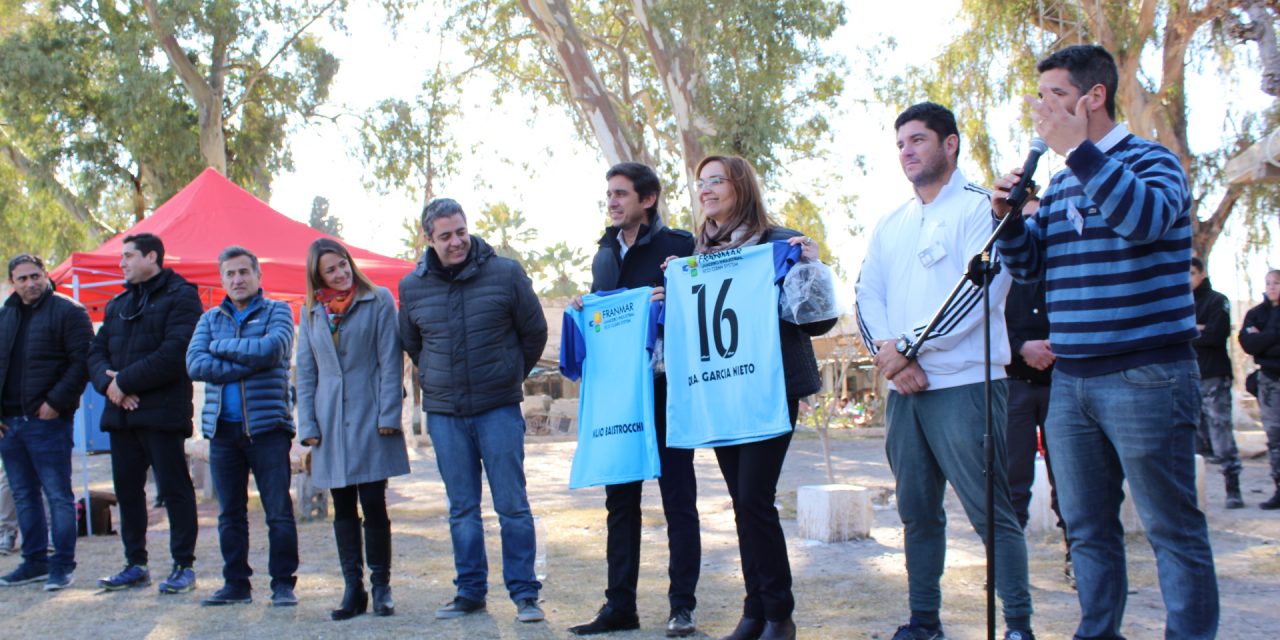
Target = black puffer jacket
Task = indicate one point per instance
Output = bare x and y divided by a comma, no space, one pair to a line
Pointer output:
475,335
1213,310
799,365
1264,344
144,337
1026,318
58,339
642,266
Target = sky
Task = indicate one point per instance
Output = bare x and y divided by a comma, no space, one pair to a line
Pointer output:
527,154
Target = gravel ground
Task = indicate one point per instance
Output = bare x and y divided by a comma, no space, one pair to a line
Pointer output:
846,590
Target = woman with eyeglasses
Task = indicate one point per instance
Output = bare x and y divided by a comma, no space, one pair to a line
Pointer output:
349,400
735,216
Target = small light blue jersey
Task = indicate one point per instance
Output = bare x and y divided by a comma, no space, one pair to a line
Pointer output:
606,344
723,354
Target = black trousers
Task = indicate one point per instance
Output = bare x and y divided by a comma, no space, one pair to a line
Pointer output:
751,472
132,453
679,489
1028,405
372,498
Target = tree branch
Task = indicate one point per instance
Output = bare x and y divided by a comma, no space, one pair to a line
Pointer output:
253,79
45,178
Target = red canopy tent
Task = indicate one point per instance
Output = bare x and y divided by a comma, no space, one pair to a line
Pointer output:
208,215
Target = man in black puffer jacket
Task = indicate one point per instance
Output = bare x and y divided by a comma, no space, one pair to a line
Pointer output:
139,361
470,320
1214,435
44,337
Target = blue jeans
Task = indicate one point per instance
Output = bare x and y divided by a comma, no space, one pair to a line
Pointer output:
37,458
935,437
1138,424
493,440
231,457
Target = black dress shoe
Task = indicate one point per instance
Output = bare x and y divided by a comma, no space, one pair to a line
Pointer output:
748,629
607,620
784,630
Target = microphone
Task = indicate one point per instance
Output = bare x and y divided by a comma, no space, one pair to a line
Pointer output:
1018,194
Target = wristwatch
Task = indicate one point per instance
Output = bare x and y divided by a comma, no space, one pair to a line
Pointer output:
903,344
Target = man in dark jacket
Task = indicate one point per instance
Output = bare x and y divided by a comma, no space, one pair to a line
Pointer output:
631,254
471,323
138,361
241,351
1030,372
1214,435
44,339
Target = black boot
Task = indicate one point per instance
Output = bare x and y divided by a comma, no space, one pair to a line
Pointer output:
785,630
1274,501
1234,499
747,629
350,555
377,541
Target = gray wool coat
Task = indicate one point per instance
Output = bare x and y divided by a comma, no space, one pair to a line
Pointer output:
347,391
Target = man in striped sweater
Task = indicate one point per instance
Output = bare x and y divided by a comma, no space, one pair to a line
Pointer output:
1112,239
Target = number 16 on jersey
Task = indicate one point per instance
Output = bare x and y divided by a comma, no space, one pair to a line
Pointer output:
724,361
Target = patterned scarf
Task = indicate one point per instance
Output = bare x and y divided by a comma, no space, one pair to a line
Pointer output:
336,304
713,238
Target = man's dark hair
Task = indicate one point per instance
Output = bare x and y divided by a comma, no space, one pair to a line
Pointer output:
935,117
1087,65
146,243
24,258
643,180
440,208
1197,263
235,251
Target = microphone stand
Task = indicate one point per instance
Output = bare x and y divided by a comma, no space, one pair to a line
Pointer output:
981,271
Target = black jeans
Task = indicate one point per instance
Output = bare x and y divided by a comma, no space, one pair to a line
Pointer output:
751,472
372,497
679,489
1027,408
132,453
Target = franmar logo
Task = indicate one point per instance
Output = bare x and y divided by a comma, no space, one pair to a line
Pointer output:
596,321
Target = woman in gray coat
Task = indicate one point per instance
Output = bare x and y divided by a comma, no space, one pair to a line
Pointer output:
349,401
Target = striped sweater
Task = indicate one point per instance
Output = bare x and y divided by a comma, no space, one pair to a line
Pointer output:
1112,239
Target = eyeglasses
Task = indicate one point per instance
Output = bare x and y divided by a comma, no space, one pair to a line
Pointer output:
709,182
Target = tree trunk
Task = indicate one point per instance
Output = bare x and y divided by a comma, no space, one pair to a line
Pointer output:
679,71
554,21
1263,31
207,96
1204,233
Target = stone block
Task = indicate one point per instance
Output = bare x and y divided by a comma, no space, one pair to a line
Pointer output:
834,512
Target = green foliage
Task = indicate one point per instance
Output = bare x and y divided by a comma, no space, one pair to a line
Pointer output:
763,87
504,229
406,146
32,222
104,127
563,268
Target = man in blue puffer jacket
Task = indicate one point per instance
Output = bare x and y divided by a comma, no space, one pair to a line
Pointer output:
241,351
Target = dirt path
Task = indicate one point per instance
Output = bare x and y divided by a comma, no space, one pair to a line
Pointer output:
847,590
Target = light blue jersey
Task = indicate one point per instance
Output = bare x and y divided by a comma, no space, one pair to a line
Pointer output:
723,354
606,344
